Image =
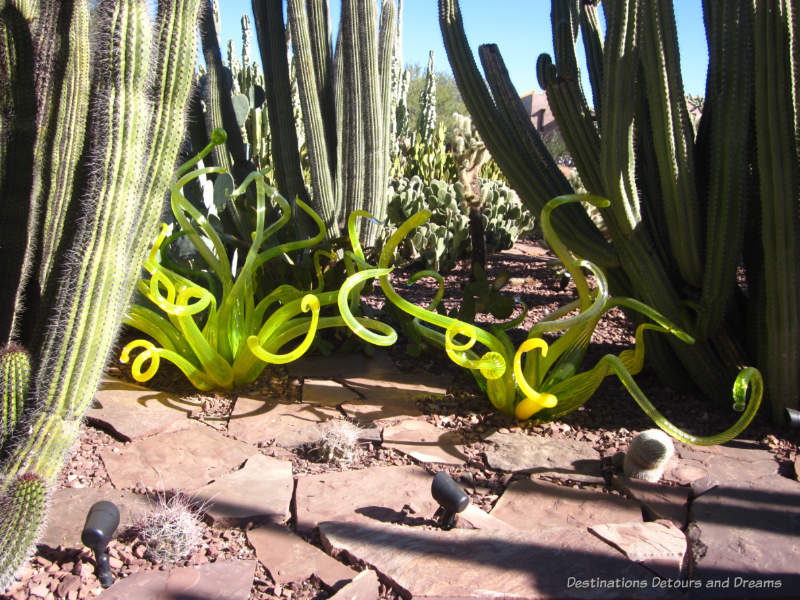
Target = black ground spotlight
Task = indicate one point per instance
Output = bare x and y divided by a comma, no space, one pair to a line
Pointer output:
450,497
792,417
101,523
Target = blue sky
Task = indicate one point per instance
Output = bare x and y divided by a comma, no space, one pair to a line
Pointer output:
521,28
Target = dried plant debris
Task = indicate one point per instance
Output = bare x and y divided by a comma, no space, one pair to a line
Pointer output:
339,442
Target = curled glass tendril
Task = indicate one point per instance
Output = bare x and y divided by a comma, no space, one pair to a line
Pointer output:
544,381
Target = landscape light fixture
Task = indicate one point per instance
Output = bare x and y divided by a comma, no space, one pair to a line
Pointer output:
450,497
101,523
792,417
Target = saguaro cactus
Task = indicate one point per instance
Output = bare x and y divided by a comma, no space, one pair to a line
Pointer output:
686,213
83,244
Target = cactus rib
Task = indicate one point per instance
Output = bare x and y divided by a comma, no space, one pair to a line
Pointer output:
672,135
776,81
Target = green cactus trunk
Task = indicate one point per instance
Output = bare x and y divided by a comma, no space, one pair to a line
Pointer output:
346,99
680,204
85,274
777,104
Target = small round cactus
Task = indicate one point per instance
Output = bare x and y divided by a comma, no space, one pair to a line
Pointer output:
648,455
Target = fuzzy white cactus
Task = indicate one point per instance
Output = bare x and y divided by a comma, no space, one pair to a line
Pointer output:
648,454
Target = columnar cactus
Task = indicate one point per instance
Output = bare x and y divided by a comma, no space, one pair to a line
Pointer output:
427,102
84,243
22,511
682,217
15,375
346,97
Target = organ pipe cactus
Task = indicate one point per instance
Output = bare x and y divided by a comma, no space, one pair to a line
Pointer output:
544,380
346,97
690,218
80,224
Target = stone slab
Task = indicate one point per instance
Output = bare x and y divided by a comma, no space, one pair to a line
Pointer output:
747,528
528,504
261,490
363,587
419,384
221,580
182,460
343,365
382,406
658,545
465,564
290,425
132,411
378,492
69,507
473,517
425,442
289,558
326,392
659,501
522,453
722,463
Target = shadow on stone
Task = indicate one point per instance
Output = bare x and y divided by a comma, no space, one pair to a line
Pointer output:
759,509
388,515
556,563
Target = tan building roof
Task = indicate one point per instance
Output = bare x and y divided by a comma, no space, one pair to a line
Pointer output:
539,110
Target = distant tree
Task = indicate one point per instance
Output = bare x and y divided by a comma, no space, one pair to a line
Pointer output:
448,98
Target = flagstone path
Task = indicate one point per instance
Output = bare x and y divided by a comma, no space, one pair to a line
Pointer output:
722,523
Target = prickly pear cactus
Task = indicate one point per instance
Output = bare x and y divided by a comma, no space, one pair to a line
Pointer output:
442,241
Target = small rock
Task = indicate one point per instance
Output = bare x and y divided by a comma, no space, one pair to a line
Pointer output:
68,584
39,591
363,587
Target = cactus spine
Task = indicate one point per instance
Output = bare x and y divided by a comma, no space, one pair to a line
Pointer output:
15,374
140,81
680,204
22,511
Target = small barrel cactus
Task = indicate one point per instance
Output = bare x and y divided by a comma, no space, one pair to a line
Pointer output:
22,512
15,372
648,455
